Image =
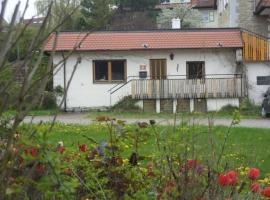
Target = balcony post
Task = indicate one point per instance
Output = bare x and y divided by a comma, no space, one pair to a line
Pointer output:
191,105
174,106
158,106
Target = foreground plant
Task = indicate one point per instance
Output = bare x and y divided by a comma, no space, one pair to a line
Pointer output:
21,175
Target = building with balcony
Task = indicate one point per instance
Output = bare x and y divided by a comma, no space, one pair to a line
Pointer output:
164,70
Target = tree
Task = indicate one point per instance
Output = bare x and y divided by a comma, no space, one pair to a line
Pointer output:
22,98
190,18
60,10
95,13
137,5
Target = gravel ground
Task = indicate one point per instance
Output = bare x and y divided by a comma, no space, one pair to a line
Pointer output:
84,120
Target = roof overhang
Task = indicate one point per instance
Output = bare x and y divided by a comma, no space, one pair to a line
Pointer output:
145,40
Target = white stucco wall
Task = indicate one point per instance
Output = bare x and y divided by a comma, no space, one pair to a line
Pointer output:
217,104
255,92
84,93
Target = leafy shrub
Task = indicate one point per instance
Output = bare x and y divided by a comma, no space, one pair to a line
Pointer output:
48,101
117,168
126,104
249,108
229,109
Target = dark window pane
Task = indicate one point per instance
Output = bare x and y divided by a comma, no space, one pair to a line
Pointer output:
118,70
263,80
195,70
101,70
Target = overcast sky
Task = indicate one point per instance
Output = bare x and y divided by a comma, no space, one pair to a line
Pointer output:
31,11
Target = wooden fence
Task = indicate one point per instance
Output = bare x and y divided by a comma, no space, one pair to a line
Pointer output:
256,48
186,89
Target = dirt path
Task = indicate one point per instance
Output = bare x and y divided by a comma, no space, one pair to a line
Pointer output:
82,119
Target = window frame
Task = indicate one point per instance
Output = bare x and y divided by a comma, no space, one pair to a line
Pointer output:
196,62
109,68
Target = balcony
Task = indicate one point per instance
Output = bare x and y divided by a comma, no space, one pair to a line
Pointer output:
262,7
256,48
227,86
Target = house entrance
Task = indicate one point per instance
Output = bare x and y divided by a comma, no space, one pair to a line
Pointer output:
158,69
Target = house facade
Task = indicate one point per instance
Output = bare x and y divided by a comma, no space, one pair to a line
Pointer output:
170,70
254,17
208,10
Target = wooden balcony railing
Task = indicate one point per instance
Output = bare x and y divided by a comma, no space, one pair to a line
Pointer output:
187,89
256,48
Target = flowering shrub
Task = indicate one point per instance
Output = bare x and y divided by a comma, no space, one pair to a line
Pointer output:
117,168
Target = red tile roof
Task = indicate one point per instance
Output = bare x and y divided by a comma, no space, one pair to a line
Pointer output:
183,39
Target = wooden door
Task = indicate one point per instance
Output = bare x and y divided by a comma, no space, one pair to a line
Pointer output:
158,69
200,105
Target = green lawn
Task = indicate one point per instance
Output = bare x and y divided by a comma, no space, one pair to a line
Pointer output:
148,115
246,146
35,112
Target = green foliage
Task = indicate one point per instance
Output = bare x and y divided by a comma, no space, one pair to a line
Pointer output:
95,13
63,11
22,48
125,105
249,108
98,162
49,101
138,4
190,18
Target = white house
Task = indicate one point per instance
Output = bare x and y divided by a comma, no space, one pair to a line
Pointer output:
208,9
165,70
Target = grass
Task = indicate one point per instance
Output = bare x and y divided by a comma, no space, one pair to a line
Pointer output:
35,112
148,115
246,146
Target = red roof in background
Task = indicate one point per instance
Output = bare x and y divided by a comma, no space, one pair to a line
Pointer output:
139,40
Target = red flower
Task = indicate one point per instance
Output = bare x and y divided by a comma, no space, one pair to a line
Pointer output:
229,178
223,179
31,151
61,149
253,173
266,192
83,147
232,177
255,187
40,169
192,163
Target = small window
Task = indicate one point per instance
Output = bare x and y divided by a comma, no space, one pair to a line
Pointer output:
263,80
211,16
205,17
195,70
109,71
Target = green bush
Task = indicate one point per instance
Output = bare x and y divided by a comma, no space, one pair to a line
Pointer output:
229,109
249,108
126,104
49,101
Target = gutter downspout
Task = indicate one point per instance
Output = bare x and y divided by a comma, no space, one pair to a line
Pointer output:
65,83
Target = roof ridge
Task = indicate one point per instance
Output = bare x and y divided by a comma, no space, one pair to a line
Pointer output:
155,30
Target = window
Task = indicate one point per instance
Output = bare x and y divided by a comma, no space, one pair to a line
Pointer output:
196,70
205,17
208,16
263,80
109,71
211,16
